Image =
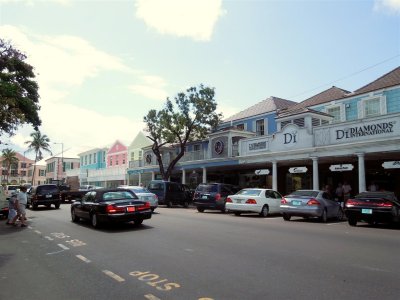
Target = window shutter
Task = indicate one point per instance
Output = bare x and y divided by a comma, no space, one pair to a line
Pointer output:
383,106
342,112
360,107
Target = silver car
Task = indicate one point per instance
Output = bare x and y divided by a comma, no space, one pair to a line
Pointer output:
309,204
143,194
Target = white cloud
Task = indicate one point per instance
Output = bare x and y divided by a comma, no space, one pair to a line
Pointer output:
184,18
392,6
152,87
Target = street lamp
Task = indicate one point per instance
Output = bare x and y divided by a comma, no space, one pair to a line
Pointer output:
62,159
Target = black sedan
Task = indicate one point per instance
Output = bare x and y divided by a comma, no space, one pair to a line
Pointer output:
373,207
110,206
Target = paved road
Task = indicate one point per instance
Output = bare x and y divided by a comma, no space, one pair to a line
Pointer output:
183,254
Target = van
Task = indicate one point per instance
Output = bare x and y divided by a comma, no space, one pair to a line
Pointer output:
170,193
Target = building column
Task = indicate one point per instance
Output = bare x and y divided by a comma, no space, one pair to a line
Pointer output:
204,175
153,175
183,176
315,173
275,175
361,173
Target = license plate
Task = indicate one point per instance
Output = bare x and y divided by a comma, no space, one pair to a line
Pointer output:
238,201
367,211
130,209
296,203
48,196
204,197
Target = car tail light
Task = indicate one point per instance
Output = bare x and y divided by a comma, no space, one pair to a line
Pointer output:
217,197
251,201
283,200
144,206
229,200
386,204
112,209
313,201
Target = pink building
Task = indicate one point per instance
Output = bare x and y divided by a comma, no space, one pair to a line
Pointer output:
117,155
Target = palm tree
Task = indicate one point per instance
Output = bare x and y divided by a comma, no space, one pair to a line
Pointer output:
9,159
38,144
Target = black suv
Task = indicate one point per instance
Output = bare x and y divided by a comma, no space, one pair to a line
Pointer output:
213,195
170,193
44,194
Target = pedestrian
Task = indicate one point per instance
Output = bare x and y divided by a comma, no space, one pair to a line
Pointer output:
373,187
21,202
12,209
339,192
346,190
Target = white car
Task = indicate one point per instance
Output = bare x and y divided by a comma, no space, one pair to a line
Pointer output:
254,200
143,194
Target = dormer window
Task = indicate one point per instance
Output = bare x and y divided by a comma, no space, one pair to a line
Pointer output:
372,106
260,127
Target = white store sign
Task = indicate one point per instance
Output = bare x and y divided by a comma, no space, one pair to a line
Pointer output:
340,168
262,172
298,170
391,164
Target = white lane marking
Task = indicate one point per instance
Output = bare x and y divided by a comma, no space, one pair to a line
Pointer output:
151,297
38,232
30,227
49,238
63,247
81,257
113,276
55,252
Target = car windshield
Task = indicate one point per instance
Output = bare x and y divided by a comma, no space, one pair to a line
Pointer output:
207,188
156,186
304,193
12,187
47,189
252,192
116,195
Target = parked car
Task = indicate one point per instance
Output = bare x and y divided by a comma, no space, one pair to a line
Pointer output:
10,189
3,202
373,207
144,194
170,193
110,206
254,200
310,203
212,196
88,187
43,194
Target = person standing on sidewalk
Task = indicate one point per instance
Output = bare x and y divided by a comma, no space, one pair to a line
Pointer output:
21,205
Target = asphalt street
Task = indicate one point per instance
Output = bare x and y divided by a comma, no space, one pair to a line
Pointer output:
183,254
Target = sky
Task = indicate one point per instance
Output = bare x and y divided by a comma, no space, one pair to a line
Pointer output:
101,65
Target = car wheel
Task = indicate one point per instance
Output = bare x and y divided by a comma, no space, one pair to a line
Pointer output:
237,213
199,209
57,205
73,216
352,221
324,216
94,221
286,217
264,211
138,222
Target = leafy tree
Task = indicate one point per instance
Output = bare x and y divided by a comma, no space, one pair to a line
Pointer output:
191,118
18,91
38,144
9,159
